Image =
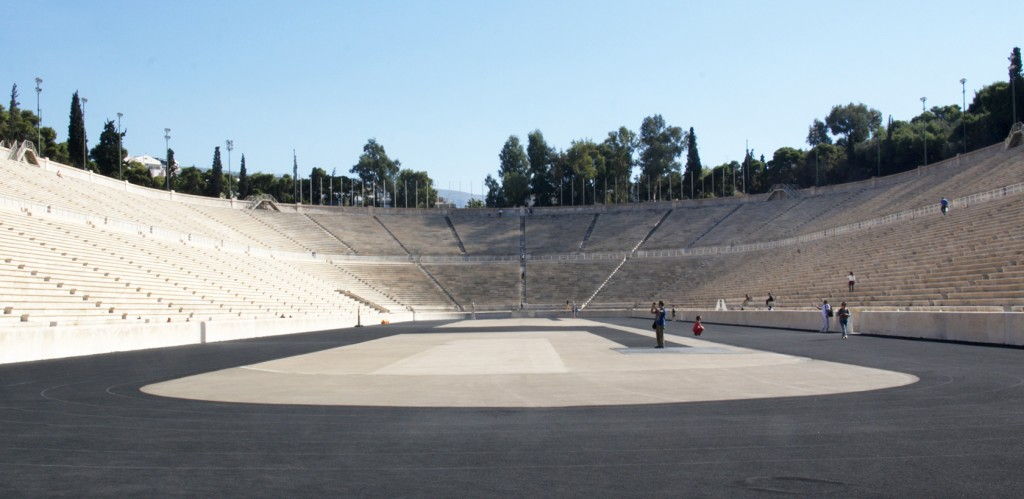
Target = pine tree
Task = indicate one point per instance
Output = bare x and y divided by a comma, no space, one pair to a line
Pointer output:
76,133
215,183
13,115
107,154
169,171
243,180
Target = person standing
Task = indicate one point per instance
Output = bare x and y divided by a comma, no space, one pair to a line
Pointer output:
826,313
844,319
658,310
851,280
770,302
944,205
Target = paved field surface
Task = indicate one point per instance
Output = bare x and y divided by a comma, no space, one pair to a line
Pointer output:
83,427
526,363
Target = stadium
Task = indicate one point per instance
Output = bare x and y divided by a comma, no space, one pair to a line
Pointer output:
603,314
477,303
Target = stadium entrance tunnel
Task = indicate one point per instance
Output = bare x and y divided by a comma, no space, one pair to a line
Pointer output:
527,363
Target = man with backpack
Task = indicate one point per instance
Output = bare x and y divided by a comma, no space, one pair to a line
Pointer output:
658,310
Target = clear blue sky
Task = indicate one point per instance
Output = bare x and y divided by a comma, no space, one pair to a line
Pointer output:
443,84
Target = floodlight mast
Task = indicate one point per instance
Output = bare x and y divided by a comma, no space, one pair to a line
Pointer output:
120,159
167,155
39,117
963,110
230,146
85,148
924,131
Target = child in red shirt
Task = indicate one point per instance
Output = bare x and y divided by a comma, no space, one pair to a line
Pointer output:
697,327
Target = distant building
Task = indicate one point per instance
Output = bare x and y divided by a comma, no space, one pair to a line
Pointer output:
156,166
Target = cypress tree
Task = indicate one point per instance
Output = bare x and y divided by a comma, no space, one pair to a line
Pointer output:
693,166
76,133
243,180
215,184
13,115
169,172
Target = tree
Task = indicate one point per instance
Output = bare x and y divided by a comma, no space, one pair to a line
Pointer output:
817,133
191,180
415,189
474,203
541,182
660,145
495,197
854,122
694,170
374,166
584,160
170,169
318,185
13,116
108,152
76,134
1016,83
244,189
514,170
215,177
785,165
136,173
618,149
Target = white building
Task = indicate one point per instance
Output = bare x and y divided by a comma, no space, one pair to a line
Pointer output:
156,166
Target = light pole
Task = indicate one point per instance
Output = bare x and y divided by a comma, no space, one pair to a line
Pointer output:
85,148
167,154
231,145
924,131
963,111
120,162
39,117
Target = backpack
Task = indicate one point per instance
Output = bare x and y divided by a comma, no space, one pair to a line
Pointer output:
830,314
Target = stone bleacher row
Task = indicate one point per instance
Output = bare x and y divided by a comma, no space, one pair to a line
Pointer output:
121,277
57,273
972,257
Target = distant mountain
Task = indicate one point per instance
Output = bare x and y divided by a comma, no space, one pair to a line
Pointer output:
458,197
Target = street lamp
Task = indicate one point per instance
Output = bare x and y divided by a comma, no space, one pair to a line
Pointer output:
231,145
167,155
963,111
85,148
924,131
120,163
39,117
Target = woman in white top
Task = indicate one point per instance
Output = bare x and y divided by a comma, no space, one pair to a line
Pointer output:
851,280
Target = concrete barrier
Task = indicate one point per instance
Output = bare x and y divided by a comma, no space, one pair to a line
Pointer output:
22,344
979,327
998,328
